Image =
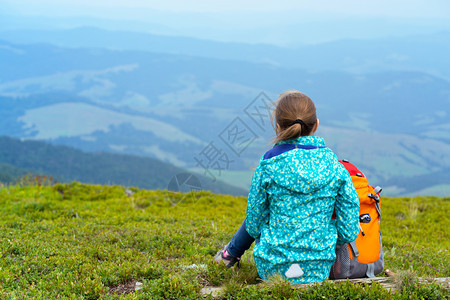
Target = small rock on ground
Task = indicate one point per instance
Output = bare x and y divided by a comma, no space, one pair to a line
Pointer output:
213,291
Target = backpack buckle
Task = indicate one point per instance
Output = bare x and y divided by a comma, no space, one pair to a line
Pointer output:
374,197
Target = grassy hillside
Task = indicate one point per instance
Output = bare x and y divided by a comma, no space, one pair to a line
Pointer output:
91,241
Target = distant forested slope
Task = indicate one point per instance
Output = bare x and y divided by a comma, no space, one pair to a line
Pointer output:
67,164
9,173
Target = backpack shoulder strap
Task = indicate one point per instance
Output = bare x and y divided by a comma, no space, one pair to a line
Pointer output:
351,168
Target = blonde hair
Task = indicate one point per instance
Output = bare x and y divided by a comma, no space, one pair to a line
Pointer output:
290,107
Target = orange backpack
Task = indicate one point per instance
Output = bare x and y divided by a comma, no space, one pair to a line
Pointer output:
364,256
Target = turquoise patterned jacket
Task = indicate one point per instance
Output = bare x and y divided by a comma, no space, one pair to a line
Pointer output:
290,207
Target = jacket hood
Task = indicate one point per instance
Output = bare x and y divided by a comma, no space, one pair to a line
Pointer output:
302,170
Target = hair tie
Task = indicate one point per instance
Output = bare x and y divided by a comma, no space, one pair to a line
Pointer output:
298,121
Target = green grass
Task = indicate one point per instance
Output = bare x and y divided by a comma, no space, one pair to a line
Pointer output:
78,241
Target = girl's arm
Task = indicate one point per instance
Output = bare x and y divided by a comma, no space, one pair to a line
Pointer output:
257,204
347,211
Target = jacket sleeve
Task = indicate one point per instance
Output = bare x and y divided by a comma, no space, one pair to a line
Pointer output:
347,210
257,204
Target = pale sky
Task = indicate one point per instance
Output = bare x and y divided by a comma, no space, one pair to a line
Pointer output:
374,8
252,21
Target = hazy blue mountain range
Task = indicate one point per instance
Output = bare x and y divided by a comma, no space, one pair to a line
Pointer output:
393,123
172,87
427,53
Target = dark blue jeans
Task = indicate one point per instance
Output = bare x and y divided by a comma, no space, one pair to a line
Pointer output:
240,242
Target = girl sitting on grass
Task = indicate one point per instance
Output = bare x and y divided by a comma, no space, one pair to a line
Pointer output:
294,191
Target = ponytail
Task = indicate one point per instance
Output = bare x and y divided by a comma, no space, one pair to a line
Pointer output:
295,115
290,133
